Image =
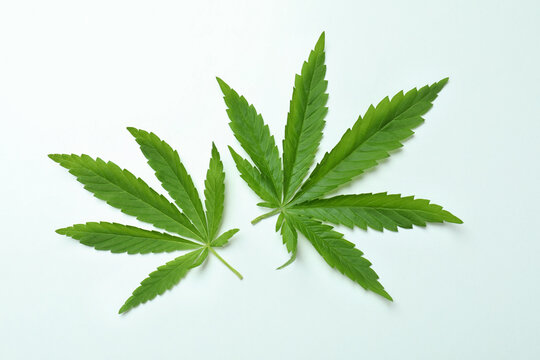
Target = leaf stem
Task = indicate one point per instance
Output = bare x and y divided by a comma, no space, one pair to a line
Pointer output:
226,264
264,216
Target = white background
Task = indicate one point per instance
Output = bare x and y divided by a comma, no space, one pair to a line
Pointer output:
74,74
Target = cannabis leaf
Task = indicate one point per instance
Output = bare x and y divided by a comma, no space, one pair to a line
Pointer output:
122,190
300,204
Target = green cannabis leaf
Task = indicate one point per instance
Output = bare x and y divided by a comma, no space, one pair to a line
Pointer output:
298,203
122,190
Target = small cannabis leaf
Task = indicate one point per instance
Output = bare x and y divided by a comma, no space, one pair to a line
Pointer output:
297,202
122,190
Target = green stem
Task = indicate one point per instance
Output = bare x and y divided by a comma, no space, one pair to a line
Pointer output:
264,216
227,264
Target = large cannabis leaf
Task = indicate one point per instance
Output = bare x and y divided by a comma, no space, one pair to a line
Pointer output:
299,203
122,190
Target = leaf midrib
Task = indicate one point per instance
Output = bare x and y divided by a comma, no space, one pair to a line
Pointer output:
378,208
173,239
197,236
396,116
304,110
176,177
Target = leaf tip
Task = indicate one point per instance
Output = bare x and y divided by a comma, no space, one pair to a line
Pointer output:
62,231
289,262
319,45
233,153
453,219
223,85
126,307
133,131
55,157
385,295
320,42
442,83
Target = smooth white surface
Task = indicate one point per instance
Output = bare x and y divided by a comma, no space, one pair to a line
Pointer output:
74,74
